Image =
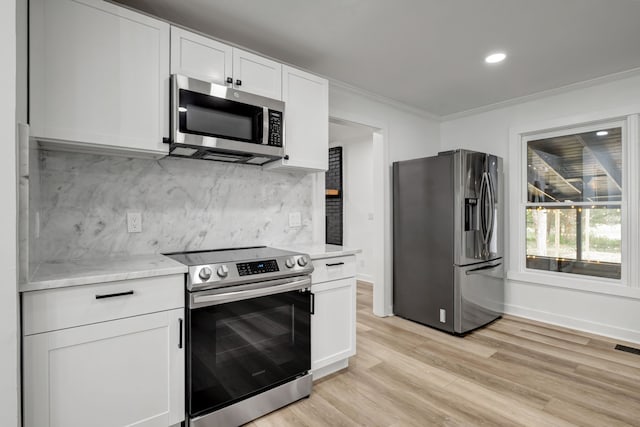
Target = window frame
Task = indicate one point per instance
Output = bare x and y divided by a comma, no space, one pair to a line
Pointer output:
628,284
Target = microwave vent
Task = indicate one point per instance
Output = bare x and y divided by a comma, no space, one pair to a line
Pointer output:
222,157
259,160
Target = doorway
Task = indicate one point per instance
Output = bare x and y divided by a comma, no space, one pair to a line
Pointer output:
362,194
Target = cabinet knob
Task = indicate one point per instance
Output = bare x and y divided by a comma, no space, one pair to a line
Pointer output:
229,80
238,82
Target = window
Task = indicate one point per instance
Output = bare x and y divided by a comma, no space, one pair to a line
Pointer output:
574,201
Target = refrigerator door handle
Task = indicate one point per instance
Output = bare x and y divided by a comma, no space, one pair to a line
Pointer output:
483,208
492,207
481,269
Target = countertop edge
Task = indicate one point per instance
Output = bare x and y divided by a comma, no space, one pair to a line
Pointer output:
324,255
103,277
321,251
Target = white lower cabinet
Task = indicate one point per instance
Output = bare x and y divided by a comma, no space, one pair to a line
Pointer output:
126,372
333,324
113,358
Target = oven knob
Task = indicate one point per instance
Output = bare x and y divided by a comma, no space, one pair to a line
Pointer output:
223,270
290,262
205,273
302,261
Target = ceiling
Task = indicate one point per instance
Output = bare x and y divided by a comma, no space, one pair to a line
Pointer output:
584,167
428,54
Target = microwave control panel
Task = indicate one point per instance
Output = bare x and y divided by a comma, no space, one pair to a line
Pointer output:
275,128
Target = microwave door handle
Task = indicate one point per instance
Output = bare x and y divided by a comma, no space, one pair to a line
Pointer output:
265,126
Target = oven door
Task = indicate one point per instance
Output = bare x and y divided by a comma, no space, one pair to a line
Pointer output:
245,341
222,118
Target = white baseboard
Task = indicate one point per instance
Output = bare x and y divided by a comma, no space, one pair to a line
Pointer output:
361,277
574,323
330,369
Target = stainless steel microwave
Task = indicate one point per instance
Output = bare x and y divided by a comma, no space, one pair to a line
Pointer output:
215,122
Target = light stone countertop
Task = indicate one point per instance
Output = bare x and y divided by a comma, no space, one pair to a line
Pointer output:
51,275
321,250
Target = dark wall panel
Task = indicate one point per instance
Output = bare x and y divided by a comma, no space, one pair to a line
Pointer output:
334,203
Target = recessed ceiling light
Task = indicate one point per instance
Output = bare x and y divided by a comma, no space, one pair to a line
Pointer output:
494,58
602,133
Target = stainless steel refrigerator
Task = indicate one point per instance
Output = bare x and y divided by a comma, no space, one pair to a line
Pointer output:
448,240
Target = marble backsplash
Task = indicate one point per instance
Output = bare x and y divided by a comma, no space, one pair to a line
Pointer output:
185,205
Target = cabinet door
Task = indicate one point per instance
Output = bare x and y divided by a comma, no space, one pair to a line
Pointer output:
333,325
306,120
127,372
257,75
199,57
99,75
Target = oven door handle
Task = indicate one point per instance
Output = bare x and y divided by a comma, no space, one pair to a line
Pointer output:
198,301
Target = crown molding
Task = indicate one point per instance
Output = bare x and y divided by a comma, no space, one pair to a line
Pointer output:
382,99
543,94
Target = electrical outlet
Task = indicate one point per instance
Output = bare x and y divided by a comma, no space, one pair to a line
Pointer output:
295,219
134,222
370,216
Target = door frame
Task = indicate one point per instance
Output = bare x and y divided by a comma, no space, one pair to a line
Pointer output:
382,277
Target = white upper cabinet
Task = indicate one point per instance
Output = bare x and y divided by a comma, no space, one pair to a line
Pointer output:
258,75
98,76
199,57
205,59
306,121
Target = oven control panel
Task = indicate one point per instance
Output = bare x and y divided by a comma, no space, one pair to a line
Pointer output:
257,267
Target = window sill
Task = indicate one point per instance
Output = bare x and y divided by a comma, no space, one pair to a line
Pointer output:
570,281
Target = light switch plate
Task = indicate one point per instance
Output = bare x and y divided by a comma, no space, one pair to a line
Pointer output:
37,225
134,222
295,219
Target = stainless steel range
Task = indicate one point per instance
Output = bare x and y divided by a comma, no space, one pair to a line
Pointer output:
248,326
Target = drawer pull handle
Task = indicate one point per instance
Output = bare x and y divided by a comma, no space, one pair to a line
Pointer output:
335,264
313,302
180,337
119,294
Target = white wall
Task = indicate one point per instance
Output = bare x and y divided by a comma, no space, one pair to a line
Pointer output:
409,134
8,293
616,316
404,134
357,178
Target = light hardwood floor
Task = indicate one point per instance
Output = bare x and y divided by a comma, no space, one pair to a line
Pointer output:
513,372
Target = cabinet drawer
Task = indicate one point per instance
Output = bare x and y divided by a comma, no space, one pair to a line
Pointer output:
333,268
54,309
